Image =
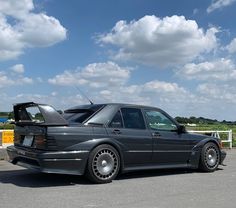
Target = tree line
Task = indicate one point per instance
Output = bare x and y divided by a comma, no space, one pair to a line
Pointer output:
201,120
179,119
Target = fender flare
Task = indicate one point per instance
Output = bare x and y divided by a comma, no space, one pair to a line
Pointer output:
196,151
91,144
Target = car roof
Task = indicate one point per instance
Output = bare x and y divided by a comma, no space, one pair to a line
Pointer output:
97,106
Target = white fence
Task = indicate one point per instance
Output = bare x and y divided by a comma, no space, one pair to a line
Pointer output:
217,135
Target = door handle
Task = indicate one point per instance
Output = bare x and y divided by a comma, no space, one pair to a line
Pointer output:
156,134
116,131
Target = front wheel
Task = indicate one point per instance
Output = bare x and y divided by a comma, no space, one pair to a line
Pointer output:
103,164
210,157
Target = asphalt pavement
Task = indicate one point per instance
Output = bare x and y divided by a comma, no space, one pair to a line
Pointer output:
22,188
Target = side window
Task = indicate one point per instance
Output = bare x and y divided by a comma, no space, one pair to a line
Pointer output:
116,122
133,118
158,121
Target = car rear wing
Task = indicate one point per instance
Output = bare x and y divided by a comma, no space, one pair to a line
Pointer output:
46,115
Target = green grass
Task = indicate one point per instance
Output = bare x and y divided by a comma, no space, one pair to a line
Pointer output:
7,126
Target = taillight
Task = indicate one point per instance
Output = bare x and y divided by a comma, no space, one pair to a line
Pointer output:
39,142
17,138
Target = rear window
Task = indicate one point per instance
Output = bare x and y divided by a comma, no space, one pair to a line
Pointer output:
77,115
31,113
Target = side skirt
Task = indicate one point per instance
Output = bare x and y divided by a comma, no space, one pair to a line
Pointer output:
152,167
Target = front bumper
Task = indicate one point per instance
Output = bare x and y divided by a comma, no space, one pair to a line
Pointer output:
223,155
63,162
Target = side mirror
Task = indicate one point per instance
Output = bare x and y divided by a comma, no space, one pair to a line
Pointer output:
181,129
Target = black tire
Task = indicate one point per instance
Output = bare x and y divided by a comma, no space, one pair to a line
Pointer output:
103,164
210,157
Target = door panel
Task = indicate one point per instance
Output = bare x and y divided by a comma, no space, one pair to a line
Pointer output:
169,147
128,128
137,144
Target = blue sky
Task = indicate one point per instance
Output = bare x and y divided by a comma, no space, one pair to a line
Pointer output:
176,55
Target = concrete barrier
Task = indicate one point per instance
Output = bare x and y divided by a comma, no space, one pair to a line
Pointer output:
3,154
6,139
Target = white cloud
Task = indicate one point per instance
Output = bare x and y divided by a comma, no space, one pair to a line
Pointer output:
125,94
17,9
232,46
217,4
27,30
155,41
218,70
195,11
96,75
25,80
14,79
55,99
40,30
169,96
216,92
108,82
18,68
150,92
161,86
4,80
39,79
54,93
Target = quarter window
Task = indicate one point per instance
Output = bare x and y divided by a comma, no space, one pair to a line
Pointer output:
133,118
158,121
116,121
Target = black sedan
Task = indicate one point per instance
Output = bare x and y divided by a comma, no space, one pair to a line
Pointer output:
103,140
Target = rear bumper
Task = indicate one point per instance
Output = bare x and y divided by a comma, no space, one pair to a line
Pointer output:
223,155
63,162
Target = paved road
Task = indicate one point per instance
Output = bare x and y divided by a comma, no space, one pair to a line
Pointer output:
21,188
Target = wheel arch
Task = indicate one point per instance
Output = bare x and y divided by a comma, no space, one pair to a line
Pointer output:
203,142
114,145
196,151
210,157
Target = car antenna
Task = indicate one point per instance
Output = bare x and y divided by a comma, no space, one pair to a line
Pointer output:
84,95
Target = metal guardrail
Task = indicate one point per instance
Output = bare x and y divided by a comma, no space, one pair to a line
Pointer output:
215,133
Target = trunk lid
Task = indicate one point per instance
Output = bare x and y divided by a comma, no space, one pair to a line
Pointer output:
32,120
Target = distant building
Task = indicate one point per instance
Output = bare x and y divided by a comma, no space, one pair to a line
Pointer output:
3,120
192,124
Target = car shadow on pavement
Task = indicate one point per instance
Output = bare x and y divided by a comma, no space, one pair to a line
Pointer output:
153,173
33,179
156,173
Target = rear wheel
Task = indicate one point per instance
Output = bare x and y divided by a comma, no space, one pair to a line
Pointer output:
210,157
103,164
